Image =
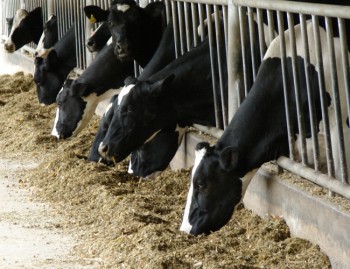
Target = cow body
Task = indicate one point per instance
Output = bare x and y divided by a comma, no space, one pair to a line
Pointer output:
48,38
26,27
51,72
257,134
78,100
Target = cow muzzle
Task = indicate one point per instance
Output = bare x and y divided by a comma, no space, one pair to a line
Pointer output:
122,50
10,47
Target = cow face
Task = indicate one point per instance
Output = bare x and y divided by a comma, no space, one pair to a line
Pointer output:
126,22
48,38
99,38
214,192
136,120
48,82
106,119
26,27
70,112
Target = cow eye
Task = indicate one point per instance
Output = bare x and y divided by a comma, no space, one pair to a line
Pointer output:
59,103
110,23
201,186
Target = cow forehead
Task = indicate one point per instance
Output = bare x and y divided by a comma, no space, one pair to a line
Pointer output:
123,7
20,15
125,91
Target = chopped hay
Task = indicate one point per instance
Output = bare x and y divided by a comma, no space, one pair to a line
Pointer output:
126,222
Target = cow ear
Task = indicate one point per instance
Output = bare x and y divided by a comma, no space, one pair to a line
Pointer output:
130,80
78,89
50,23
155,9
161,86
95,13
51,60
229,158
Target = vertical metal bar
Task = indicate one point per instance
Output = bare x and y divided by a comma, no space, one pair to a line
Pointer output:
225,18
271,25
187,26
221,50
201,21
261,32
176,29
310,95
181,26
285,84
214,69
242,24
252,41
194,24
322,88
167,11
336,97
300,114
345,62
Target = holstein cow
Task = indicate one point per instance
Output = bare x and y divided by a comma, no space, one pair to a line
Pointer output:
171,96
78,99
48,38
51,72
154,156
258,134
26,27
136,31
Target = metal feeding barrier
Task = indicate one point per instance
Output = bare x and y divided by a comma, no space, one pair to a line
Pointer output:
239,33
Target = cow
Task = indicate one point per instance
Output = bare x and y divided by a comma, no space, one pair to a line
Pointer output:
171,96
78,99
51,72
48,38
154,156
98,38
258,133
136,31
26,27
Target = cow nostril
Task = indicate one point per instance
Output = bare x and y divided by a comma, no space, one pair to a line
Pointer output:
119,47
90,43
103,148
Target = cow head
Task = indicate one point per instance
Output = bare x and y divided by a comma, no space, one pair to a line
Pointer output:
215,190
48,81
26,27
136,119
48,38
98,38
71,107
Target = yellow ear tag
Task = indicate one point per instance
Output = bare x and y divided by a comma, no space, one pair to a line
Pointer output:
92,19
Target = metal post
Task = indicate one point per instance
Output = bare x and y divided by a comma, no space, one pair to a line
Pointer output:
234,57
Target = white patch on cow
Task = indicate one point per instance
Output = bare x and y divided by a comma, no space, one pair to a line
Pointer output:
40,45
110,41
108,108
130,171
123,7
20,15
274,51
125,91
185,225
54,129
152,136
92,101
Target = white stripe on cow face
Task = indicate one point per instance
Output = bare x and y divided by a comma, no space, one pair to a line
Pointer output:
20,15
123,7
54,129
125,91
185,225
110,41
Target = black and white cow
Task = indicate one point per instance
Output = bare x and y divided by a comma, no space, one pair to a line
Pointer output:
136,31
154,156
26,27
258,134
48,38
78,99
98,38
51,72
171,96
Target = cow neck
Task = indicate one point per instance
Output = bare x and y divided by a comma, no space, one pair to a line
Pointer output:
105,72
259,131
189,97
